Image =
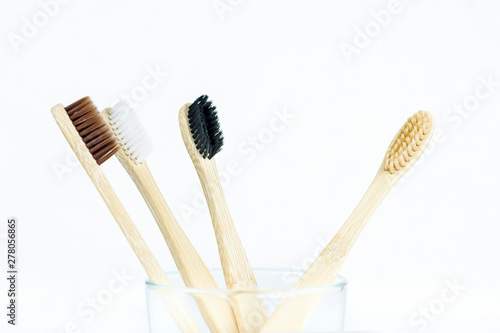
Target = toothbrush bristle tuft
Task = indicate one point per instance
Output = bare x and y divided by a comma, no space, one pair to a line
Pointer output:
93,129
205,127
129,132
409,140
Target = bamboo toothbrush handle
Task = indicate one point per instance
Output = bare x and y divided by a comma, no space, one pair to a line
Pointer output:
190,265
248,309
292,315
177,308
324,269
217,312
237,271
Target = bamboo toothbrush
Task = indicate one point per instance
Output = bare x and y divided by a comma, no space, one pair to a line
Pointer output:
135,148
405,149
203,138
93,143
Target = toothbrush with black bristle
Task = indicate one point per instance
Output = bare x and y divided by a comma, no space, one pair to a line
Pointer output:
200,129
135,147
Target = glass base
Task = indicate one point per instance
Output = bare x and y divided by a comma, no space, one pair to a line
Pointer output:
325,305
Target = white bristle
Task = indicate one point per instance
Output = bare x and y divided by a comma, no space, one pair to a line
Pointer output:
129,131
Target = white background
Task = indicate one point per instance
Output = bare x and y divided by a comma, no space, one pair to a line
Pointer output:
254,60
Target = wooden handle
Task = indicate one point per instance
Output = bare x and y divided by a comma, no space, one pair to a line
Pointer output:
237,271
248,309
291,315
175,305
217,312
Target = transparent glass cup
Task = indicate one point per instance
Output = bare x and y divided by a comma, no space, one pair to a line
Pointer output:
275,286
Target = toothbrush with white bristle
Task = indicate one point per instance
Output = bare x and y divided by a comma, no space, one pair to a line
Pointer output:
129,131
135,148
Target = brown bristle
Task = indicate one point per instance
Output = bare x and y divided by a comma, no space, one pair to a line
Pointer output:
93,129
410,138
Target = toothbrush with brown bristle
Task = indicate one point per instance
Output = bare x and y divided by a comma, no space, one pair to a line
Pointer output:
405,149
93,143
203,138
135,148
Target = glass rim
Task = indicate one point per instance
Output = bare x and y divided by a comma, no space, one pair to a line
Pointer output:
339,283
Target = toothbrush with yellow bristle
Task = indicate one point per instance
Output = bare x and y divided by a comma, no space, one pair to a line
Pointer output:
202,136
405,149
135,147
93,143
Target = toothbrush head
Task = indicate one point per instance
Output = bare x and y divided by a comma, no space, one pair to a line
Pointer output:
205,128
410,142
93,130
129,132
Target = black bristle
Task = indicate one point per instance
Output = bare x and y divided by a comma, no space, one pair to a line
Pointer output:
205,127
